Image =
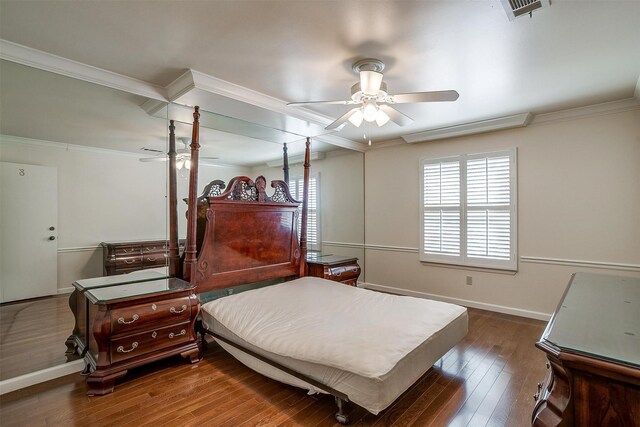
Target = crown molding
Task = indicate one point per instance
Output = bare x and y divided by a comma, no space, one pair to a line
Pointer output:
619,106
10,139
30,57
195,80
499,123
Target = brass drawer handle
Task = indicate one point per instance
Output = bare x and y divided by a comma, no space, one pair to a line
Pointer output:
151,258
121,349
129,251
124,322
174,311
127,261
150,249
182,332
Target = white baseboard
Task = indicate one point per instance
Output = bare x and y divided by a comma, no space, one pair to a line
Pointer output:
32,378
66,290
467,303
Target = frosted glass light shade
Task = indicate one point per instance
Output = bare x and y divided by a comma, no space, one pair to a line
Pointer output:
370,111
356,118
381,118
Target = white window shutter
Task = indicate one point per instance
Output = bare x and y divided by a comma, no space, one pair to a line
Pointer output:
469,212
296,187
441,210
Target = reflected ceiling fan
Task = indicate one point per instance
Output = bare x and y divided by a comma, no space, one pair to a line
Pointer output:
183,156
373,102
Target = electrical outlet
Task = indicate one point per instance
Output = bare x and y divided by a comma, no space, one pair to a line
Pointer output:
469,280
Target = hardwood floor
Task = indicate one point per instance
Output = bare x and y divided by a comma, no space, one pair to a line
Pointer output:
488,379
32,335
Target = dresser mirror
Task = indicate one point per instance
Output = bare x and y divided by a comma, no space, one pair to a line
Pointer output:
91,138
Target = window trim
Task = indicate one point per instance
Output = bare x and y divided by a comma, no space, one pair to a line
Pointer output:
463,259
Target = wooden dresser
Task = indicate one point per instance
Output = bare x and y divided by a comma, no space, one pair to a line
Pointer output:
332,267
121,326
592,344
124,257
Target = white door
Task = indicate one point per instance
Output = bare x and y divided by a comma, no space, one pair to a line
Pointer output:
28,231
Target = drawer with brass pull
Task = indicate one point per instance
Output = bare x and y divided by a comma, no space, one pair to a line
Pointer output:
145,342
144,316
130,261
123,257
133,323
338,269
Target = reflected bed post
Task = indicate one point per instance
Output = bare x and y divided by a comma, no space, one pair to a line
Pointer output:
305,209
192,218
174,255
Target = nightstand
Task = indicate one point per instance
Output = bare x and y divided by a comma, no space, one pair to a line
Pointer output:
332,267
134,324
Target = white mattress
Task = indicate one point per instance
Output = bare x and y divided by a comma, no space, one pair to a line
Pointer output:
369,345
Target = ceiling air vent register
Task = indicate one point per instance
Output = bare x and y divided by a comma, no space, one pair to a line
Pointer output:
515,8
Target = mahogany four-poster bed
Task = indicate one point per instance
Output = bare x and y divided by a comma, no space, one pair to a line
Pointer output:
358,345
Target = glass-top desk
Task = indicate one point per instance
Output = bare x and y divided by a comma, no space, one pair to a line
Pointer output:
592,344
599,317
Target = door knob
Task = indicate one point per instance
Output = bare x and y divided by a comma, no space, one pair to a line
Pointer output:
52,237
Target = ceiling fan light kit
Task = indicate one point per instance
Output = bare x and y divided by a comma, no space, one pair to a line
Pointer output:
373,101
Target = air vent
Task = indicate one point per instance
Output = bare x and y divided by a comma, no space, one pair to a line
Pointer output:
515,8
151,150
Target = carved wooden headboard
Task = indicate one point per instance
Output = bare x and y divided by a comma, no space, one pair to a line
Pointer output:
249,236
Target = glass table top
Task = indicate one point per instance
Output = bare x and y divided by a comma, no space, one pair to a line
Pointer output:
119,279
599,316
137,289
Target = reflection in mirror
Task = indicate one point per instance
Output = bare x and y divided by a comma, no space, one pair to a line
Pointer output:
107,153
71,179
235,147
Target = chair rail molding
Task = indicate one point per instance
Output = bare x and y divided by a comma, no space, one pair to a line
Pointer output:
581,263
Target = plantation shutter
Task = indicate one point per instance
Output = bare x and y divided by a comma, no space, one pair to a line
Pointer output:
296,187
469,210
441,209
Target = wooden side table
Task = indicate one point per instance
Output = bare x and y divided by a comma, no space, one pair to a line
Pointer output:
133,324
337,268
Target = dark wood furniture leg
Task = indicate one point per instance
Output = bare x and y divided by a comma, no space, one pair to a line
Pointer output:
341,416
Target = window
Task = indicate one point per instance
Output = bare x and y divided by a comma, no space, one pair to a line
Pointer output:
313,210
469,210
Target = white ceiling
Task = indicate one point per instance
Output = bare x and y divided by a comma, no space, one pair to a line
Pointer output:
572,54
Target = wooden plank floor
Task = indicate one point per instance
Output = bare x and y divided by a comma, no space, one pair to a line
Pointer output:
486,380
37,328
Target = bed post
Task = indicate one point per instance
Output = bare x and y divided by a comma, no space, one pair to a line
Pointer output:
285,163
192,217
305,208
174,255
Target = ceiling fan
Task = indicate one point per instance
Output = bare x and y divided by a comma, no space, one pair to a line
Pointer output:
374,103
183,156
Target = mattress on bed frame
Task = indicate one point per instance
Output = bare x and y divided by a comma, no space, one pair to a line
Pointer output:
373,392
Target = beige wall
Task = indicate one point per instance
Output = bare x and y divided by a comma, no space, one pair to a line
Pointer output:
341,200
578,199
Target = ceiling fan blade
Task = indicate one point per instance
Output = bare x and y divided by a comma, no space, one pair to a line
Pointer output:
154,159
341,120
370,82
396,116
436,96
343,102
